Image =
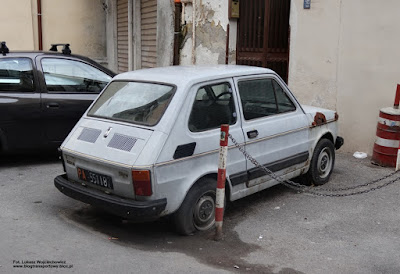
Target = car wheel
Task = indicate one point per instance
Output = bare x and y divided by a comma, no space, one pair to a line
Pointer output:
197,212
322,163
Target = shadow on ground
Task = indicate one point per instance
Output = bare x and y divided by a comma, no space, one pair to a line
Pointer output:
28,159
159,236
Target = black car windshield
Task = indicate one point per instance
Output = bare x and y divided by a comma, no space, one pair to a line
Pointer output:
134,102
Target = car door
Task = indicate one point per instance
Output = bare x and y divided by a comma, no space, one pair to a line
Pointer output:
20,125
69,87
214,104
275,126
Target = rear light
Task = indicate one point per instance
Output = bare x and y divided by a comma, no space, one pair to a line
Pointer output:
142,182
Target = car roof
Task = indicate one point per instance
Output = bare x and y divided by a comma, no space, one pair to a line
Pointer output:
184,75
37,53
33,54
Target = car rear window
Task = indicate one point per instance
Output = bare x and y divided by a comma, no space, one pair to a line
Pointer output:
134,102
16,75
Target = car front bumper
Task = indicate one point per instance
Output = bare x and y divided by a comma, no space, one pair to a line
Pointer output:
126,208
339,142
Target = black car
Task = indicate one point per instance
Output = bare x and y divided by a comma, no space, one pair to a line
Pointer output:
43,95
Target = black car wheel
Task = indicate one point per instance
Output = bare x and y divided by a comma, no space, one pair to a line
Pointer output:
322,163
197,212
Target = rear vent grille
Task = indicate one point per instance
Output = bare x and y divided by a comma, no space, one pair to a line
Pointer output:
89,135
122,142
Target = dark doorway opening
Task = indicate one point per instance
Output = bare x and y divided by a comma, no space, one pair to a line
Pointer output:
263,35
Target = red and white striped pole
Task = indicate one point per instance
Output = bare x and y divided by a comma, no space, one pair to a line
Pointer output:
220,195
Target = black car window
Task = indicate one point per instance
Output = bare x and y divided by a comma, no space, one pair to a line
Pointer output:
16,75
63,75
213,106
263,97
258,98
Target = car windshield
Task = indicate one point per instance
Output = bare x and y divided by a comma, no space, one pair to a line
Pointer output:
134,102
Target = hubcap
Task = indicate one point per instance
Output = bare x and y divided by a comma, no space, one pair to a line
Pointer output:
324,163
204,213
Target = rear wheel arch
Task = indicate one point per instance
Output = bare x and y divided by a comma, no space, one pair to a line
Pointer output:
213,176
188,218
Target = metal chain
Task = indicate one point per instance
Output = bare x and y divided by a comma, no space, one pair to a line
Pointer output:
306,189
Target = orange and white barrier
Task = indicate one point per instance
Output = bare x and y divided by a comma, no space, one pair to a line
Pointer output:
387,142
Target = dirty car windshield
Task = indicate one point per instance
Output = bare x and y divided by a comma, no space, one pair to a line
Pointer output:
134,102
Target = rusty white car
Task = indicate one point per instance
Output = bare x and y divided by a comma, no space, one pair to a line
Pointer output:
148,146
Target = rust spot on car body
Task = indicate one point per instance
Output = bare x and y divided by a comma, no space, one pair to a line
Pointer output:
336,116
319,119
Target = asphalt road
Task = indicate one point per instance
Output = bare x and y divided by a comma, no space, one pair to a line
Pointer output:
275,231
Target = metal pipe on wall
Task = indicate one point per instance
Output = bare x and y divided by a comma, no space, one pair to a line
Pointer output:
39,17
194,32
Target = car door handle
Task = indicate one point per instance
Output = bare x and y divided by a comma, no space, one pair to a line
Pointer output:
52,105
252,134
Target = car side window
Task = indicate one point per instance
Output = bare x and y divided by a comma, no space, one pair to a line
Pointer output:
16,75
263,97
213,106
63,75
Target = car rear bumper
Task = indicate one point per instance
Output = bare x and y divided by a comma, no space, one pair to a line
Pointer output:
126,208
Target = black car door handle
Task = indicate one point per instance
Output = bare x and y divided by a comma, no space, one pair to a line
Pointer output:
52,105
252,134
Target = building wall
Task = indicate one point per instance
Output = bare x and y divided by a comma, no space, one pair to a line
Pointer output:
80,23
344,55
16,24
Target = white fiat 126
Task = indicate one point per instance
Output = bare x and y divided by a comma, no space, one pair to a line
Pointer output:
148,146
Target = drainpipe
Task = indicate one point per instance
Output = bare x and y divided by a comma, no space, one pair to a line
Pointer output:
39,17
227,46
194,32
177,31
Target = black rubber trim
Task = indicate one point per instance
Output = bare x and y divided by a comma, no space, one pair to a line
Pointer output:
185,150
242,177
126,208
239,178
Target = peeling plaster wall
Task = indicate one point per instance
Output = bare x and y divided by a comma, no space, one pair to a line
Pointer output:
165,32
211,33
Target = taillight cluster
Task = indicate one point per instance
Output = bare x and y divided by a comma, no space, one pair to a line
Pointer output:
142,182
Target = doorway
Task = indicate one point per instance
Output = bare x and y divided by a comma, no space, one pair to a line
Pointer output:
263,35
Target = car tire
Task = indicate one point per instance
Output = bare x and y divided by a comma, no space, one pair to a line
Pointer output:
197,212
322,163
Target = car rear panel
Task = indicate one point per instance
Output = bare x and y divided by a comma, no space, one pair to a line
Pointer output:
101,155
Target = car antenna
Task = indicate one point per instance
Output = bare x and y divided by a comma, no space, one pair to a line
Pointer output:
4,49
